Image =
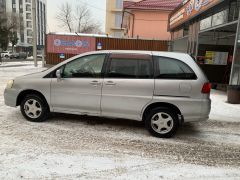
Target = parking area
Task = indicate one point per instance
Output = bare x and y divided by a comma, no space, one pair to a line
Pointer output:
68,146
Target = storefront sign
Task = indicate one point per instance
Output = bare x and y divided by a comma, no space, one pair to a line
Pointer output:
190,10
67,44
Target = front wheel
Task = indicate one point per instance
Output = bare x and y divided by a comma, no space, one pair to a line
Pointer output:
34,108
162,122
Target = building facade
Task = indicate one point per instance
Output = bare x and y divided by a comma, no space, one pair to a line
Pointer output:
148,19
114,18
23,10
210,31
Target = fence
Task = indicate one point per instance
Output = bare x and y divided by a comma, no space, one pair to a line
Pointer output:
67,46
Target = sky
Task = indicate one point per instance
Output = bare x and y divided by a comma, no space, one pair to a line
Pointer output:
97,8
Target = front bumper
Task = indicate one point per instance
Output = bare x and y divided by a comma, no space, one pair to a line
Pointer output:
10,97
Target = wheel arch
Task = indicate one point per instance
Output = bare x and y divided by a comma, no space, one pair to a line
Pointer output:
161,104
24,93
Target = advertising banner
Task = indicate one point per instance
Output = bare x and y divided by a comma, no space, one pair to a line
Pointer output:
189,10
69,44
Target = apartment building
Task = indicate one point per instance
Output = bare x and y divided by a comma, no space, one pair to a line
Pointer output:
23,9
114,10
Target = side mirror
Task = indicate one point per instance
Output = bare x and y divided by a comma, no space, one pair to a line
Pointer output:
59,74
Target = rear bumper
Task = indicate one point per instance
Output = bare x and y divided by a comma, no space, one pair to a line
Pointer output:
10,97
204,115
206,107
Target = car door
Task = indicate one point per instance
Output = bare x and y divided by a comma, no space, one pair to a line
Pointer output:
128,85
79,89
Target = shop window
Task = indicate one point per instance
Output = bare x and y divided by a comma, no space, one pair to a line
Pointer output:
233,10
219,18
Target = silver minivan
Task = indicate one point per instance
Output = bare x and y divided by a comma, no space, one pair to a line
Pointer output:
162,89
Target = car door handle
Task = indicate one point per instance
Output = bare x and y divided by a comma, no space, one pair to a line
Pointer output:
95,83
110,83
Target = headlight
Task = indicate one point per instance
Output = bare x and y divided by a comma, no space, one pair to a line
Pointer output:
10,84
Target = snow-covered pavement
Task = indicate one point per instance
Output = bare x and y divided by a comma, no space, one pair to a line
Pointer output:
77,147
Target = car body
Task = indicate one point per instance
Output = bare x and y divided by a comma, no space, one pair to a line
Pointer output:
19,55
138,85
14,56
6,54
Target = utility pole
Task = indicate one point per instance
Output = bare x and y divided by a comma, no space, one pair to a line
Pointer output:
34,32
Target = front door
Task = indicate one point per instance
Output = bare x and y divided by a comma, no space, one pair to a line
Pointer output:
128,85
79,89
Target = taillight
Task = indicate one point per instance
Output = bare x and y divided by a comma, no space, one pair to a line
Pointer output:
206,88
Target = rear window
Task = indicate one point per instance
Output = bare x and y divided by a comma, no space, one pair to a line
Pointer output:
168,68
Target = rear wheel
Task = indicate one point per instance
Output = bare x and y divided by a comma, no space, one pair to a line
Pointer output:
162,122
34,108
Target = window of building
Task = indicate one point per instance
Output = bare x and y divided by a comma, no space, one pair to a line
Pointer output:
28,7
20,6
29,32
22,37
118,20
119,4
29,24
28,16
28,1
173,69
130,68
14,6
29,40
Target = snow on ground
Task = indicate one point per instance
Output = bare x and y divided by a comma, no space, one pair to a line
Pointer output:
77,147
223,111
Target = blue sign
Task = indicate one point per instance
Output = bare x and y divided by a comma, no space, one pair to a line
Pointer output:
99,46
62,56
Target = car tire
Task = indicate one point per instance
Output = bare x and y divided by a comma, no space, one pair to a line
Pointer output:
34,108
162,122
6,56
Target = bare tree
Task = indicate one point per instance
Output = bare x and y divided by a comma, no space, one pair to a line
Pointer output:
82,14
81,17
64,16
9,23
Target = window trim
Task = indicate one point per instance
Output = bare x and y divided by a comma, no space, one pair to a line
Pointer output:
157,69
135,57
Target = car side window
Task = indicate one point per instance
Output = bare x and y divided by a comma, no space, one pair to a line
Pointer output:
168,68
129,68
84,67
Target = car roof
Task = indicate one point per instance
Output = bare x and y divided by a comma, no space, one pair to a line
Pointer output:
175,55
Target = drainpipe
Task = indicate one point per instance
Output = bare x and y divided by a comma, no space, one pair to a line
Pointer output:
133,15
